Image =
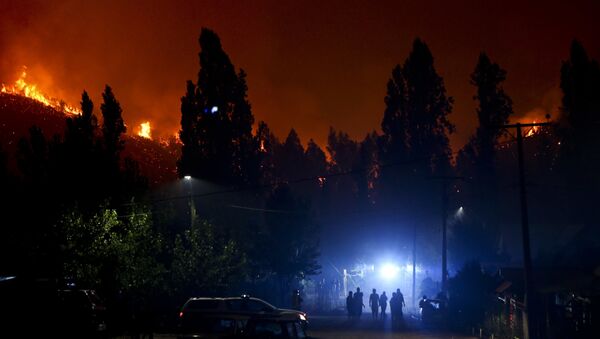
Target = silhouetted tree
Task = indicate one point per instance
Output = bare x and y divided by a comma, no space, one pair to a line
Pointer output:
80,158
112,126
81,129
395,118
367,169
32,158
315,160
579,161
36,160
414,144
217,121
267,144
289,158
477,163
245,157
495,107
315,166
580,111
427,108
342,190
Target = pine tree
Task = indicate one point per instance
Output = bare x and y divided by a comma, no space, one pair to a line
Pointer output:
290,163
267,144
78,156
415,125
477,162
343,151
579,160
217,121
316,167
580,83
367,168
427,108
83,127
494,109
315,159
395,119
344,155
113,127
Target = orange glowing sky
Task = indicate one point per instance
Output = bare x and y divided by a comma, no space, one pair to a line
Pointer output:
310,64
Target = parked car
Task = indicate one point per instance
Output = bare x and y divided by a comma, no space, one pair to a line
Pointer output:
226,317
82,310
37,307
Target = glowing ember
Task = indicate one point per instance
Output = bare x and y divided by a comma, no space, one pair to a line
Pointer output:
262,146
21,87
145,131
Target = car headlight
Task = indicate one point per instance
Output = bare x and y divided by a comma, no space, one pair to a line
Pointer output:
302,317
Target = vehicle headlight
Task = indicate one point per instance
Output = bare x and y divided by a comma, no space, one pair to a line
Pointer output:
302,317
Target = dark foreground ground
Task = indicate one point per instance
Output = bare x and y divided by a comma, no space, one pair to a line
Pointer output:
325,327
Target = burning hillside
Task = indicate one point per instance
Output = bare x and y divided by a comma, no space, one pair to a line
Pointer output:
23,88
24,104
18,113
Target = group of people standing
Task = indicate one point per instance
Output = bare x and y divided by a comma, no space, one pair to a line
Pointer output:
354,304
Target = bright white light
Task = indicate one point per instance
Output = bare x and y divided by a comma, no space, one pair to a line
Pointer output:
460,212
188,177
388,271
214,109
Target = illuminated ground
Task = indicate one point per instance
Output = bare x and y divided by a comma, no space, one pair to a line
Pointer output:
333,327
326,327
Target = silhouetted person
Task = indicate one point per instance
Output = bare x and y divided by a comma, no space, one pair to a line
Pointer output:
296,300
383,303
350,305
394,308
426,309
401,303
374,303
358,302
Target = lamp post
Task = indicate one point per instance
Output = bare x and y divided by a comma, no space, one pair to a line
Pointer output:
188,178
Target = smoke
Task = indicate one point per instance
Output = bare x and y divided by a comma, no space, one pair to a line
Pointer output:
548,109
310,65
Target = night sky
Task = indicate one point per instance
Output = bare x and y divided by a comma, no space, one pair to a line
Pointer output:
310,64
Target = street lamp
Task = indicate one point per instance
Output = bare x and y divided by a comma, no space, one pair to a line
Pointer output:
188,178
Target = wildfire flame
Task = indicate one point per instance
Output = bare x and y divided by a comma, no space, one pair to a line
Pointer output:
145,130
532,131
21,87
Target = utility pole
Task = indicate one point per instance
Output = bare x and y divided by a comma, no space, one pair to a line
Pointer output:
530,301
445,180
414,264
414,267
